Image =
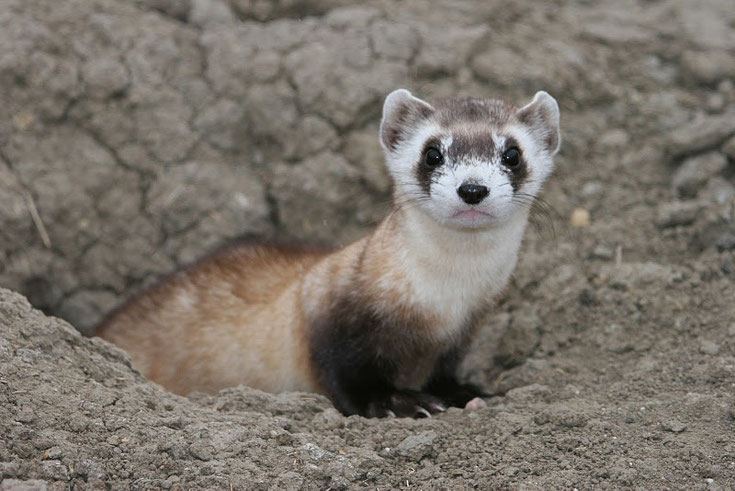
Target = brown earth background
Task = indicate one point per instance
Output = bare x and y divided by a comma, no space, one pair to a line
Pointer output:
135,135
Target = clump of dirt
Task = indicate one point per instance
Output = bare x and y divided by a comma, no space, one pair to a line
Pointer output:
136,135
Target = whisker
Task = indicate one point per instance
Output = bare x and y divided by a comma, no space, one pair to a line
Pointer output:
542,216
539,208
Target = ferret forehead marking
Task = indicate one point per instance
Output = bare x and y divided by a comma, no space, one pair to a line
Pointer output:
471,146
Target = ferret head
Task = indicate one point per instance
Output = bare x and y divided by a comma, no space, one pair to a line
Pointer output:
469,163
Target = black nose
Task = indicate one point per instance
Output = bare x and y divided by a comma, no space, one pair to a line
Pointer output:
472,193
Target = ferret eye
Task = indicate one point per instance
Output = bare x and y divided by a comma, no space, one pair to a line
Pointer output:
433,157
512,158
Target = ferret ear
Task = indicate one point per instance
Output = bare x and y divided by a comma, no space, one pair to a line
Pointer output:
542,116
401,112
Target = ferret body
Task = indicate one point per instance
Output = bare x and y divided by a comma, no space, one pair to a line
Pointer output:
380,325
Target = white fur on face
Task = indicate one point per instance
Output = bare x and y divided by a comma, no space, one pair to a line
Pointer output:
402,161
540,163
443,202
410,125
446,206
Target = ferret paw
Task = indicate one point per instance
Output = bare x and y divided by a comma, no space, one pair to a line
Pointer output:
405,404
458,395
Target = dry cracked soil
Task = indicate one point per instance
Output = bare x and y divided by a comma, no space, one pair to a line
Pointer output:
135,135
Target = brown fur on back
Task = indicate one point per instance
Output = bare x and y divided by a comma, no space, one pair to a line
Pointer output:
232,318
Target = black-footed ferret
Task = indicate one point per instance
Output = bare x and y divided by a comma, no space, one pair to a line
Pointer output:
380,325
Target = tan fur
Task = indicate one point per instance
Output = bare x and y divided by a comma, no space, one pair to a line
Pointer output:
232,319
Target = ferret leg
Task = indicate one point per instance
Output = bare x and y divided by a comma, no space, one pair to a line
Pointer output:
358,382
445,385
358,372
453,393
350,373
365,389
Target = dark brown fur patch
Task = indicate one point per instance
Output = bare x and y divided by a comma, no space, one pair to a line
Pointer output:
357,349
476,145
519,174
423,171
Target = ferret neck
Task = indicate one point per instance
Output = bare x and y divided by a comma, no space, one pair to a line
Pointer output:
448,272
424,238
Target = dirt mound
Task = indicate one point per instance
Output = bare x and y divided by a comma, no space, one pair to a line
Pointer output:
136,135
621,390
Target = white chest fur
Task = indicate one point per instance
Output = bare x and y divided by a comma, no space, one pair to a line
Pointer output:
452,272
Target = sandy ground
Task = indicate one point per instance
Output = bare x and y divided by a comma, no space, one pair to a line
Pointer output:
135,135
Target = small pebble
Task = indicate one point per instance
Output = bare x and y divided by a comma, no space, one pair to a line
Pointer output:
694,173
677,213
580,218
709,348
673,426
602,252
417,446
53,453
475,404
715,102
591,189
